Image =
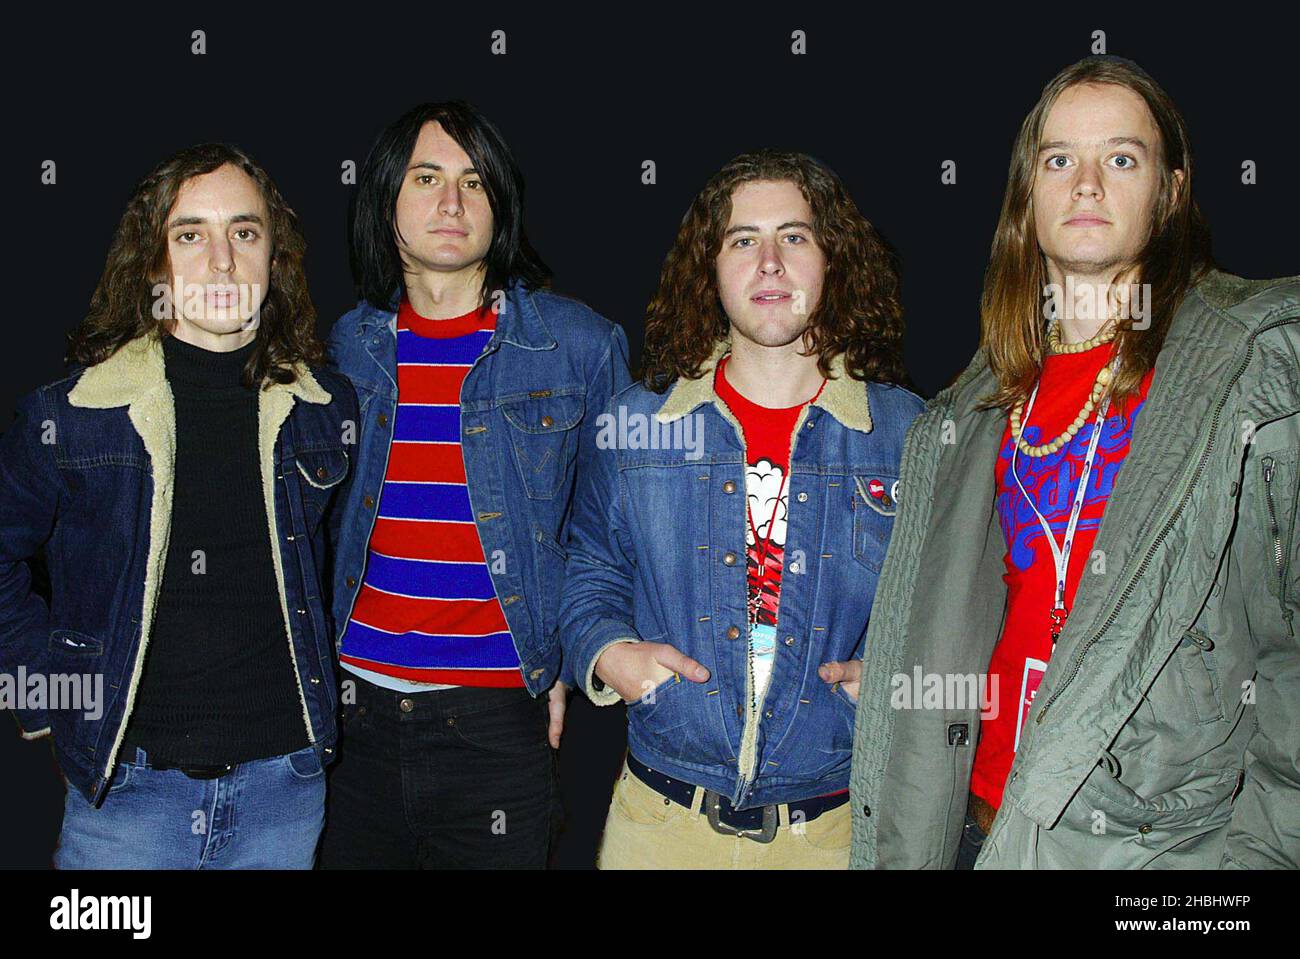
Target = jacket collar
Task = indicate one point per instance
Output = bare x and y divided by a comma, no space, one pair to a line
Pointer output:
519,322
843,397
136,369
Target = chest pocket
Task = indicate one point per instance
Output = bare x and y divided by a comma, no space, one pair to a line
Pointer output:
320,471
544,436
874,506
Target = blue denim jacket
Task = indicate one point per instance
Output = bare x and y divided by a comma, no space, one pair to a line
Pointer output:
528,409
86,470
657,554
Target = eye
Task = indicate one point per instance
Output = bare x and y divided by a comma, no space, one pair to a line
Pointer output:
796,238
424,179
246,233
1052,164
189,236
474,184
1123,161
743,241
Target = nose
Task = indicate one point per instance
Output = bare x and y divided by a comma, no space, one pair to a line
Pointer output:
1087,182
450,203
769,261
221,255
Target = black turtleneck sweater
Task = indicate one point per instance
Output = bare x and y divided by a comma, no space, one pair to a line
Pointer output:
218,683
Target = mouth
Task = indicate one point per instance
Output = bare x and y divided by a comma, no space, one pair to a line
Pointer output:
1086,219
222,296
765,297
449,232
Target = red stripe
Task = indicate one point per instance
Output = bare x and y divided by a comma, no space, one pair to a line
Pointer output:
426,462
403,614
498,678
410,539
430,384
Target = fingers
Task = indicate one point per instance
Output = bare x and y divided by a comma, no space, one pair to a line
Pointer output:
557,700
674,659
845,672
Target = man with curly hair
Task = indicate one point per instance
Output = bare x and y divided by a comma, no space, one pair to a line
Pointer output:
181,483
726,542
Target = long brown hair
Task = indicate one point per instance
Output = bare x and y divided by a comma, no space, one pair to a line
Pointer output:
121,308
1177,252
859,315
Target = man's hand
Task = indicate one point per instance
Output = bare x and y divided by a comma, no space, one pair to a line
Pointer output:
633,669
557,701
847,674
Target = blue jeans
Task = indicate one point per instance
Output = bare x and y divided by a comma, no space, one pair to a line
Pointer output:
263,814
972,841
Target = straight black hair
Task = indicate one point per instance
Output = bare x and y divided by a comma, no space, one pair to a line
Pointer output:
376,264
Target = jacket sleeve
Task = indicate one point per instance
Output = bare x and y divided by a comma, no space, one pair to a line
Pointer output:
610,377
1264,832
596,607
29,501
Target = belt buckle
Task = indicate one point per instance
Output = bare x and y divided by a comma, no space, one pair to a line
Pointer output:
771,820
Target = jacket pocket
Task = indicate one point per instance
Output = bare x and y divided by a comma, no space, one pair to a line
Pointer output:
1280,492
544,436
549,558
874,508
68,642
1200,676
320,471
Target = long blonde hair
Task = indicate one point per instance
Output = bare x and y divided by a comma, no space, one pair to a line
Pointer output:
1176,255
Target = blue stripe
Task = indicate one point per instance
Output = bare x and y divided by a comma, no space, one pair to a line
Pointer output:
418,651
461,350
425,501
429,580
436,424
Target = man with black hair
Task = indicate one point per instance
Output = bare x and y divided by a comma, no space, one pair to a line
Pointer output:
479,392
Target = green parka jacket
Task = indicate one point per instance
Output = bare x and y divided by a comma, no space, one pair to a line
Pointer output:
1166,730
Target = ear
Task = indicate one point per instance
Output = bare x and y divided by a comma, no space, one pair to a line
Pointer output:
1176,188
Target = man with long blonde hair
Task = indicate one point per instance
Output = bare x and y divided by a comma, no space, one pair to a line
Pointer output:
1099,526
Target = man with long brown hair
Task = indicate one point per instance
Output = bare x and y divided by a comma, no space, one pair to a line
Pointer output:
181,483
726,542
1099,527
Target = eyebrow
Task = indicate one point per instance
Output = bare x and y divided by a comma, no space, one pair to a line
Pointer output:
430,165
199,220
1113,141
745,228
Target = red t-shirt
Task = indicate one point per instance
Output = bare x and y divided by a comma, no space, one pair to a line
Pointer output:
767,434
1025,647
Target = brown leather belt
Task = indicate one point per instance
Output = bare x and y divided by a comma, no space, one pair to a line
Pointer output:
982,812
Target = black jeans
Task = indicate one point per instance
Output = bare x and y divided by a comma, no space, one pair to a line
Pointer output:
458,778
972,840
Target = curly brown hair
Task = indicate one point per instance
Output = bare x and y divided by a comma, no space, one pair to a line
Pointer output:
121,308
859,315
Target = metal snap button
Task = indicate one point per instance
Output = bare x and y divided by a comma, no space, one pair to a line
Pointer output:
406,705
728,487
732,632
547,421
729,559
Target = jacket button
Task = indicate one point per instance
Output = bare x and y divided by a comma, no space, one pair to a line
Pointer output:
728,487
1144,828
768,714
729,559
733,632
302,612
789,640
383,419
315,680
406,705
351,581
802,497
866,810
547,421
321,472
289,538
369,501
536,674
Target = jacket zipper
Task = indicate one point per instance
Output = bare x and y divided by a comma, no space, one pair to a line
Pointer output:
1276,531
1077,663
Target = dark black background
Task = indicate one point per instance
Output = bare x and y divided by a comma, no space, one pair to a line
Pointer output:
584,99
